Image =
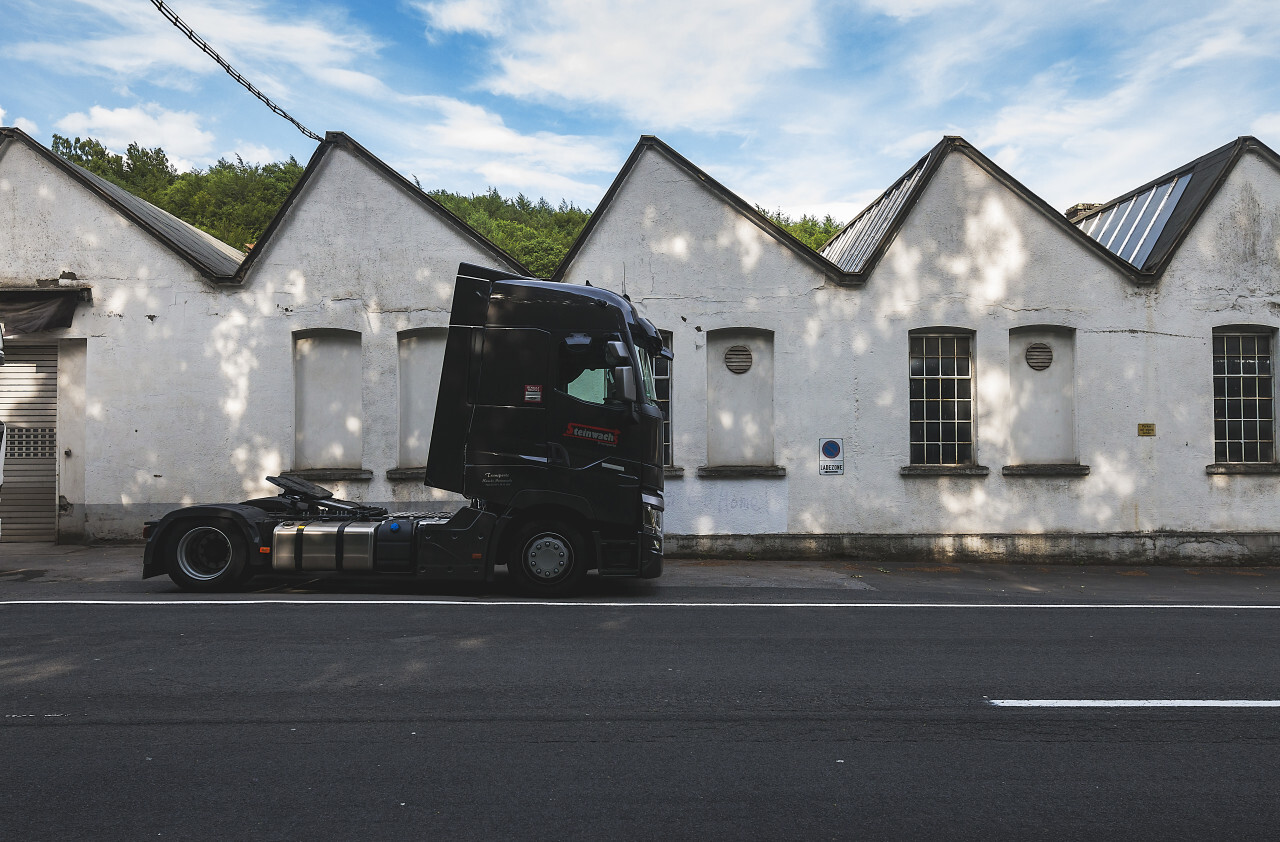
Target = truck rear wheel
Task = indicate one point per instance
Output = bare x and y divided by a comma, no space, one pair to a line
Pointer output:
549,558
206,556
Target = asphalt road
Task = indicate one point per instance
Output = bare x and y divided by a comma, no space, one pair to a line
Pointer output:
726,701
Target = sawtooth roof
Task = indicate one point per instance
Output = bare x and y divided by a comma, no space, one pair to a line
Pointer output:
784,237
334,140
860,245
213,258
1145,226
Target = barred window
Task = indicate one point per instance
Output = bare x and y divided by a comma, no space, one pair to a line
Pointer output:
662,382
1243,406
941,394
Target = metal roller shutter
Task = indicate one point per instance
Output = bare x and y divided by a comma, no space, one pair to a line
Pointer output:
29,408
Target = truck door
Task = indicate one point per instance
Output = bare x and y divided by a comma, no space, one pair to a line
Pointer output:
591,428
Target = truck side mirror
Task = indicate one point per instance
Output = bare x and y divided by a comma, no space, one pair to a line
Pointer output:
615,353
624,379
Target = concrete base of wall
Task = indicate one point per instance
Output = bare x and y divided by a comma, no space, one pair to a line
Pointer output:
1177,548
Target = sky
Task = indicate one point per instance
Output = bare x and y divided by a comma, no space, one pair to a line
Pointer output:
807,106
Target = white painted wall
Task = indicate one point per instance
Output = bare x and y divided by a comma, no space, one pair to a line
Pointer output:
152,432
188,389
972,255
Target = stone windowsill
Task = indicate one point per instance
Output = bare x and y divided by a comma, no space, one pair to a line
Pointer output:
1243,468
740,471
673,472
418,474
1056,469
331,474
944,470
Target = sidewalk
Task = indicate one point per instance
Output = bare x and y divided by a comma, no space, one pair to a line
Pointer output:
70,562
26,570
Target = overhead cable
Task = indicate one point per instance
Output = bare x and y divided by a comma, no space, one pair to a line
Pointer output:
231,71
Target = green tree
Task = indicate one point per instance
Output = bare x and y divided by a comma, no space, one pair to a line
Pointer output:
537,234
232,201
810,230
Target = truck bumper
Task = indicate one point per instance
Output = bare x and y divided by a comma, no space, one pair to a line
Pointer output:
650,555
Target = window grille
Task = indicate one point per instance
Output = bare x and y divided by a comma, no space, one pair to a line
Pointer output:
30,443
941,394
1243,405
662,382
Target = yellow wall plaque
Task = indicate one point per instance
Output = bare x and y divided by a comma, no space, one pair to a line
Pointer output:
1146,429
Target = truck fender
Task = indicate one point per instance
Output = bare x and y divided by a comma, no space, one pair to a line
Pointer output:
530,501
248,519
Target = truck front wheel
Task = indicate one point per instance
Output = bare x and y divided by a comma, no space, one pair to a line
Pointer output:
206,556
549,558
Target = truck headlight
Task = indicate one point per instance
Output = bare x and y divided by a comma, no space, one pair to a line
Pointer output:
651,519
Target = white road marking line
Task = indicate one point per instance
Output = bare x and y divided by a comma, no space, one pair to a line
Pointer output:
628,604
1135,703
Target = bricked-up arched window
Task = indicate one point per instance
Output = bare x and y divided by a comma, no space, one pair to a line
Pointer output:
421,358
328,417
740,398
1041,407
1243,395
941,396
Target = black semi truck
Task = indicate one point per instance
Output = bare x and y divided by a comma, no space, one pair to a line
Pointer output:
546,420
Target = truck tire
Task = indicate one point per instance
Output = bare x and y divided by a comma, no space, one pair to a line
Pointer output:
206,556
548,557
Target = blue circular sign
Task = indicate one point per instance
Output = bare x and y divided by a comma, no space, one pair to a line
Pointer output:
831,448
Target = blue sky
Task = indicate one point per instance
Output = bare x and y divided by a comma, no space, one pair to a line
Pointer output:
804,105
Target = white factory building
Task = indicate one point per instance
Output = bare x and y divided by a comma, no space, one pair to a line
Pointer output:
963,372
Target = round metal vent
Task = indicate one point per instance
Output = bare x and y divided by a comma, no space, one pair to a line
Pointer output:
1039,356
738,359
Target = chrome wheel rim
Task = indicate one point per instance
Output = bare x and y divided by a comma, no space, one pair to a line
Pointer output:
204,553
548,556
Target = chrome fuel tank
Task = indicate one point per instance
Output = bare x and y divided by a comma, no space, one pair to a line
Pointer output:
324,546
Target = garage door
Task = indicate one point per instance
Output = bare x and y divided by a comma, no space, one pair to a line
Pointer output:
29,409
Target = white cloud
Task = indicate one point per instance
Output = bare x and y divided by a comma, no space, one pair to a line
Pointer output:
1267,129
254,153
484,17
144,45
907,9
177,132
535,181
664,63
1217,47
27,126
470,127
460,146
1082,131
